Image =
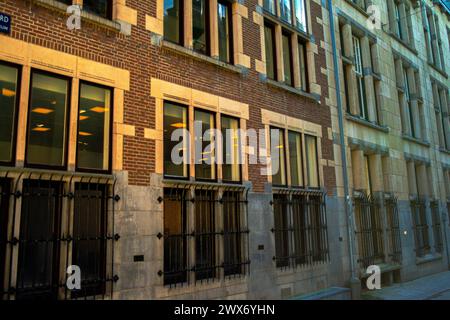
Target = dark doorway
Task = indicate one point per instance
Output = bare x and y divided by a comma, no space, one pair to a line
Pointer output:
4,209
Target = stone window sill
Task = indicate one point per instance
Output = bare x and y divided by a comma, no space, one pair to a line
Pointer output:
444,150
438,69
407,45
277,84
274,18
428,258
415,140
52,4
200,57
366,123
359,8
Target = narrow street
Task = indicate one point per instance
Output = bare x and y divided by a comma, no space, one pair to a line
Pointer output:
434,287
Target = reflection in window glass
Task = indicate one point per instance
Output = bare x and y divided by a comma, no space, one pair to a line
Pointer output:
295,158
311,164
175,117
47,120
173,20
231,149
269,5
199,24
302,64
287,61
204,145
300,14
93,128
270,51
8,101
224,24
102,8
277,154
285,10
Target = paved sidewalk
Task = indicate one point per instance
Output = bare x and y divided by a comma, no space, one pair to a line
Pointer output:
434,287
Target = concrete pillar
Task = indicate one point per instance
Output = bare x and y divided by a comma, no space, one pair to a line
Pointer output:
414,103
295,61
358,164
187,24
422,179
347,50
411,174
214,29
347,46
376,173
279,52
392,22
368,78
446,116
403,22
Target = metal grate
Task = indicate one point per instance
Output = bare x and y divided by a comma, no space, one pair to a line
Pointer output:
195,238
437,230
393,230
369,230
420,227
300,229
56,221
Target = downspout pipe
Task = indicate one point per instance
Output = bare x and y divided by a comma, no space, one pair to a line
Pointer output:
354,281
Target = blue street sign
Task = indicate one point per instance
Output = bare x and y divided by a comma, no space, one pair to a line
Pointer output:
5,23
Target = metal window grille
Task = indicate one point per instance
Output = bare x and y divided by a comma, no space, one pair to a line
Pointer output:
420,227
204,243
437,231
55,221
5,186
369,230
393,230
300,229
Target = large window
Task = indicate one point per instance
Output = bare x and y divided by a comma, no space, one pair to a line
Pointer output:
9,98
102,8
440,102
231,169
173,21
300,14
286,10
205,167
433,38
175,152
94,122
287,59
270,6
278,156
271,62
312,165
360,78
47,120
303,65
295,158
200,26
225,31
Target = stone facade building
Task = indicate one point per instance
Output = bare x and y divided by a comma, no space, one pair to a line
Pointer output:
393,91
93,117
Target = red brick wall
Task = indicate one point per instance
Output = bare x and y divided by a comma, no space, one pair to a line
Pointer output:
135,53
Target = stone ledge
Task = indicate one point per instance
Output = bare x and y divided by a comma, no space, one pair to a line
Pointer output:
415,140
428,258
447,151
200,57
366,123
403,42
441,71
276,84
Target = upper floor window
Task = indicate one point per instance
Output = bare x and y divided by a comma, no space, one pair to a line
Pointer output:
47,120
225,31
204,145
278,156
200,28
295,158
231,170
286,10
94,122
102,8
312,164
360,77
290,11
270,6
173,21
9,98
269,39
287,59
433,38
400,24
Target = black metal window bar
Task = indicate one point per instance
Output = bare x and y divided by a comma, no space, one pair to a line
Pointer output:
369,229
201,237
300,230
420,226
393,229
448,211
437,231
63,221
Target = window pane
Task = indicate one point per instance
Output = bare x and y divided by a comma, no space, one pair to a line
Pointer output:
269,5
295,158
300,14
232,237
199,23
231,170
175,118
204,141
94,128
47,120
8,101
223,13
173,20
312,165
270,51
303,66
277,152
287,61
285,10
102,8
